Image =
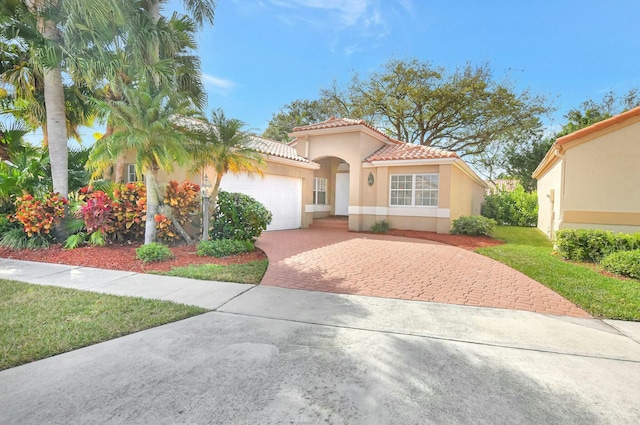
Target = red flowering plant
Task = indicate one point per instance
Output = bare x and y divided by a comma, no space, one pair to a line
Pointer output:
184,199
165,228
97,213
39,216
181,200
129,210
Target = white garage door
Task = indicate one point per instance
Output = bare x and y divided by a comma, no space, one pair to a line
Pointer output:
281,195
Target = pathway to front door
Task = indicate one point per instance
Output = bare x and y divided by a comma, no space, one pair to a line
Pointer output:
331,259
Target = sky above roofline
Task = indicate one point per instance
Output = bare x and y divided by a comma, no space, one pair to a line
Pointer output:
263,54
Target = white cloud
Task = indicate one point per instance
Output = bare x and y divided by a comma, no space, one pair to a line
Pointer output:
335,14
219,85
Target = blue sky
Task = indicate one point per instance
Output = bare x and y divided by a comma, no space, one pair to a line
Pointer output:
262,54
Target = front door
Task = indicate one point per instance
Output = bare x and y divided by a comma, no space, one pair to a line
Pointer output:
342,194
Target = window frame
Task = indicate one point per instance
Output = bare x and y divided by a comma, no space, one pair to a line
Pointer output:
320,186
131,171
414,189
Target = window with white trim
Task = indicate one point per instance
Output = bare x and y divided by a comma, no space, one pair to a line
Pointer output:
414,190
319,191
131,173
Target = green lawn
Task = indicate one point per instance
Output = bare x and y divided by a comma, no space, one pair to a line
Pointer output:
250,272
529,251
42,321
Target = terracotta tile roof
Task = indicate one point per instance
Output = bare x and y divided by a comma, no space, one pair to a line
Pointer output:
334,122
265,146
598,126
406,151
274,148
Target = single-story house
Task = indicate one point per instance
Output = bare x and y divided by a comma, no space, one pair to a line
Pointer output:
345,167
589,178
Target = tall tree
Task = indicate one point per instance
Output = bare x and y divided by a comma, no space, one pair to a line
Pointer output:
43,27
295,114
591,111
223,146
521,159
143,125
463,111
156,51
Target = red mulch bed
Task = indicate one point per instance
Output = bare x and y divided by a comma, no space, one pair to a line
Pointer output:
461,241
123,257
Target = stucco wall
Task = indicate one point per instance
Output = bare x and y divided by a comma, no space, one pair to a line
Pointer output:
602,178
466,195
549,200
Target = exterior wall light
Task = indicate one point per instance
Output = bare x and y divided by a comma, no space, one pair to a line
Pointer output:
370,179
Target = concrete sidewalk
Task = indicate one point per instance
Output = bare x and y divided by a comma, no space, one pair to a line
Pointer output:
206,294
272,355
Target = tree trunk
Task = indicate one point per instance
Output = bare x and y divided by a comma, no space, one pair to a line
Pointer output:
153,203
55,109
166,210
118,175
108,173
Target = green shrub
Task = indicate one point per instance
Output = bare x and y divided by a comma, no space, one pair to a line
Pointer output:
6,224
18,239
238,216
223,247
153,252
592,245
473,225
381,226
512,208
625,263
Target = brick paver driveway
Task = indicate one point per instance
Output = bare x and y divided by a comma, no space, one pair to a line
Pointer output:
334,260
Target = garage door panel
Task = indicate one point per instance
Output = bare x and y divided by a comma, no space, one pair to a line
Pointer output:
279,194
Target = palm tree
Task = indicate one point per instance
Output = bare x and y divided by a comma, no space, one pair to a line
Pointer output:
44,27
157,53
142,124
224,147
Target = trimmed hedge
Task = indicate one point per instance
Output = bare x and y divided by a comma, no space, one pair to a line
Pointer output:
238,216
473,226
592,245
625,263
512,208
223,247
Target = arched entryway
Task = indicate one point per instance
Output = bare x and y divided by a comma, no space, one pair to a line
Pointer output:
331,187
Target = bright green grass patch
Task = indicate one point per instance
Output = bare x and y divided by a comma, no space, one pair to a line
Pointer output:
42,321
528,251
250,272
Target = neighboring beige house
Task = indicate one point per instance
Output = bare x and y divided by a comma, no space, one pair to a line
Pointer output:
345,167
590,178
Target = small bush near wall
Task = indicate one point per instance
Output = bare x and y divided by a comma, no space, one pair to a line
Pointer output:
381,226
473,226
625,263
592,245
239,216
153,252
223,247
512,208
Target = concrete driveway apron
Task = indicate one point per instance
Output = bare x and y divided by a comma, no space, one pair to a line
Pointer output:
333,260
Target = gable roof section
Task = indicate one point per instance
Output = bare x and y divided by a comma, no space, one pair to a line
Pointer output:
558,147
333,123
407,151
